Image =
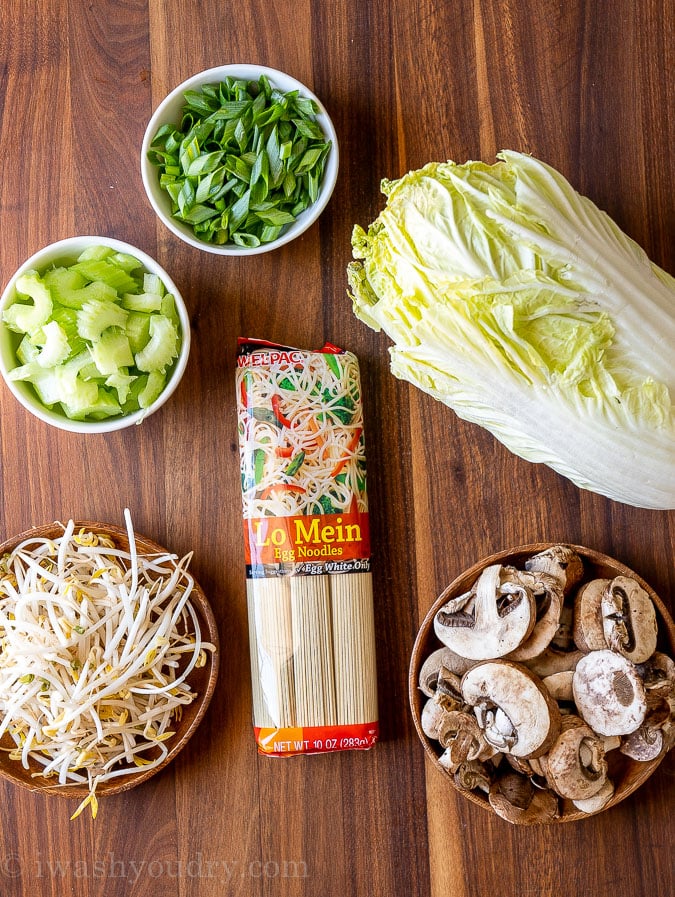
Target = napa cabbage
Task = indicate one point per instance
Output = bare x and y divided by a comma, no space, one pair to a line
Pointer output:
526,309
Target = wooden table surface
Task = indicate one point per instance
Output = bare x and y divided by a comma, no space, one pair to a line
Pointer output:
588,87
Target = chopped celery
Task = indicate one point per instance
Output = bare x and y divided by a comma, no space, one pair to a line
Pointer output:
61,282
169,310
67,319
138,330
77,396
26,350
44,381
102,405
90,372
95,252
147,302
94,290
55,346
96,315
152,283
98,335
125,261
112,352
153,388
23,317
61,383
136,387
107,272
121,381
162,348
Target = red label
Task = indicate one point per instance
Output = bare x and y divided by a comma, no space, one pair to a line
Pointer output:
318,538
316,739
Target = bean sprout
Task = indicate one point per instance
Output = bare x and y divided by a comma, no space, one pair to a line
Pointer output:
96,647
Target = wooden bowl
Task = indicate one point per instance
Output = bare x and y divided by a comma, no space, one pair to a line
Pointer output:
627,774
201,680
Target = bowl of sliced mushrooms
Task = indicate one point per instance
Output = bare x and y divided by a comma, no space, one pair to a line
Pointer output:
542,683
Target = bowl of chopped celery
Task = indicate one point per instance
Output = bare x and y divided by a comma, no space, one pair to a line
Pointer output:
239,159
109,663
94,335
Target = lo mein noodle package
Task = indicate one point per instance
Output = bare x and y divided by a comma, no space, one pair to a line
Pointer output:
307,548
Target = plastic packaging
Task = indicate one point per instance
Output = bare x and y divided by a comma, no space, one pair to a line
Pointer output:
307,548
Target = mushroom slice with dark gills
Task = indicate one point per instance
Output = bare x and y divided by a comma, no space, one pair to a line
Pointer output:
548,598
575,765
609,694
513,708
561,561
446,699
491,620
441,657
629,619
473,775
463,740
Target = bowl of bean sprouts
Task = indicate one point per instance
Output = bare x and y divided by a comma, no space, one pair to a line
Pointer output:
108,659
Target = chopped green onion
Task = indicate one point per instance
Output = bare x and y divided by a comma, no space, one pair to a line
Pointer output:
244,162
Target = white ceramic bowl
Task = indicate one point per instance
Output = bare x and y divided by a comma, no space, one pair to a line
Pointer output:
69,249
169,111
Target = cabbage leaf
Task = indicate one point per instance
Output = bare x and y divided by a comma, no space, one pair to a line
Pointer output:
526,309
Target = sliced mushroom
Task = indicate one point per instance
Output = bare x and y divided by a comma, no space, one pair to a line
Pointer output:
609,693
563,639
428,677
610,742
442,657
431,717
447,699
658,674
515,799
538,765
629,619
658,710
644,744
514,710
668,728
472,775
589,634
548,598
599,800
490,621
445,761
519,764
552,661
460,734
448,691
561,561
576,766
559,685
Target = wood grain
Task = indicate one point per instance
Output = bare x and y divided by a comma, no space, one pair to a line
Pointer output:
587,87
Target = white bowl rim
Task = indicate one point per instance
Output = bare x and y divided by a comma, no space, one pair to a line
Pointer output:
249,71
78,243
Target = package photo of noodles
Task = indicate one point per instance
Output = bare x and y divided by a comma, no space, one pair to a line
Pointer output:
307,549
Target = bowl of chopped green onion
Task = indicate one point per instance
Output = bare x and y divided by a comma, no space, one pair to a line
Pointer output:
94,335
239,159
